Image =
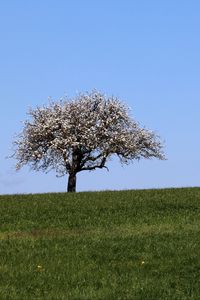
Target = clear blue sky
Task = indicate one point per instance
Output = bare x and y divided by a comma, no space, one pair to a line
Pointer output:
145,52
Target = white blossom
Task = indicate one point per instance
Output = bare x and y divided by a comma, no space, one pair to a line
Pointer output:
81,134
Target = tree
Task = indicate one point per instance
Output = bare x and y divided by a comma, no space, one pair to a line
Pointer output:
77,135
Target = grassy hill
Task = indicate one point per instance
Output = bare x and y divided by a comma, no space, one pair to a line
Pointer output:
101,245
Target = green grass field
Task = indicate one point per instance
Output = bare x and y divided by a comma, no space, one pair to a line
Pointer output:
101,245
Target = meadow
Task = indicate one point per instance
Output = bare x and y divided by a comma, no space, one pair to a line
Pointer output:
111,245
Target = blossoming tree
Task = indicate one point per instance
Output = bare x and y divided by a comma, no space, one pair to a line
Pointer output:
77,135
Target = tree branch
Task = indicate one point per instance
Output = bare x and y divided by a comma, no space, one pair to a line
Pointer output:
100,166
90,158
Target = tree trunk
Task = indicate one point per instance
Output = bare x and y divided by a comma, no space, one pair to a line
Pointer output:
71,182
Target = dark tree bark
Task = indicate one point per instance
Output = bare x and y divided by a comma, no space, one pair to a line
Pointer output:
71,182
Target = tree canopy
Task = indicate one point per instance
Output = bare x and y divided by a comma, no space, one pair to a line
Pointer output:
80,134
